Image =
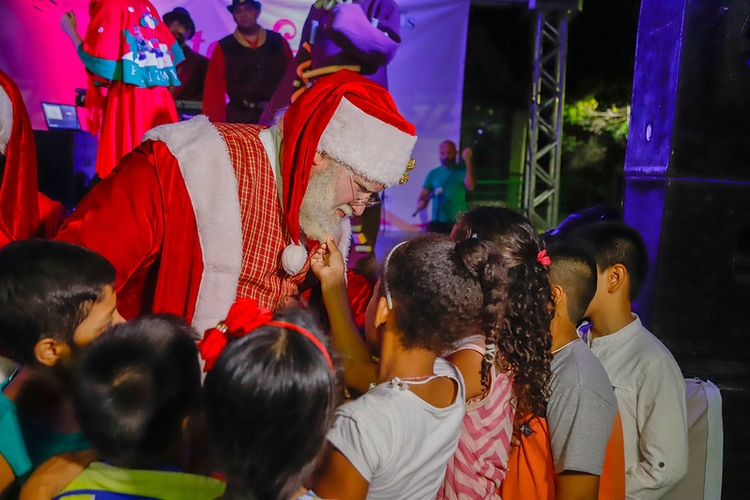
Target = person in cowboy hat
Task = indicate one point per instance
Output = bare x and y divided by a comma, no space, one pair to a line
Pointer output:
191,71
201,214
247,66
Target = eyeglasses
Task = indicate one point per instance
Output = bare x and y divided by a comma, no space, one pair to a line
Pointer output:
367,199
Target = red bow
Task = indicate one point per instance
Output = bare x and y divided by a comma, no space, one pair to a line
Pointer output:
543,258
244,316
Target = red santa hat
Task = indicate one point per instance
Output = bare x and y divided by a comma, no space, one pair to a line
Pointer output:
355,122
19,207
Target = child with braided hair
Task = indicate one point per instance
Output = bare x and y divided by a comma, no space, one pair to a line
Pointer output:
396,440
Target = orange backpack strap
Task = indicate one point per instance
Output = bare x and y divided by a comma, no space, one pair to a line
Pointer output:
531,473
612,482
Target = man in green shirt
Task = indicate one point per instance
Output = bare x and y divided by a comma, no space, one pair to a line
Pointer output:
446,185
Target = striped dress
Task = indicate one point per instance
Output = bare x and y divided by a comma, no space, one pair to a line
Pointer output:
480,463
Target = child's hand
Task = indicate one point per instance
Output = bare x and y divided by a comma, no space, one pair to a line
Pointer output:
328,264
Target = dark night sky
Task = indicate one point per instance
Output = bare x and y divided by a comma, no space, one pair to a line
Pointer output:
600,58
602,49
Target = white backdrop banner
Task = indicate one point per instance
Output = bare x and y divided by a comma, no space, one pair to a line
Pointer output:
425,78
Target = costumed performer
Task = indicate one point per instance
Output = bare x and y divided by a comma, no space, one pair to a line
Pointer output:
24,211
130,50
246,67
191,71
201,214
359,35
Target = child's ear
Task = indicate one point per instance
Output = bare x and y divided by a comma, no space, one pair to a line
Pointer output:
617,278
382,312
557,294
560,301
48,351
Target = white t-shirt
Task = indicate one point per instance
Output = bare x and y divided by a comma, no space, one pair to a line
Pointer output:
398,442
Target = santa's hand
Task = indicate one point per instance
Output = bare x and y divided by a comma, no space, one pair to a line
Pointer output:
327,263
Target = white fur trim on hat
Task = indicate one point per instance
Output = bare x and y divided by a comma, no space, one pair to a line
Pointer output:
212,185
6,119
374,149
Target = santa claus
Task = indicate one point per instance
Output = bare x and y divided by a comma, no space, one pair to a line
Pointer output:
201,214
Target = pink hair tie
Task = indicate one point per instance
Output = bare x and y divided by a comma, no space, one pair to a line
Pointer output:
543,258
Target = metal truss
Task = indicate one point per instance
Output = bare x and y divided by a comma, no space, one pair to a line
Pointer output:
544,141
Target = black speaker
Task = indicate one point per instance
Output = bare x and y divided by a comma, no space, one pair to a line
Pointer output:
698,236
63,159
691,90
687,173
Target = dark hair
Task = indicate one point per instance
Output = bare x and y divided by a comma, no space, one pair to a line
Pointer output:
47,289
611,243
134,386
575,272
269,402
443,291
524,345
182,16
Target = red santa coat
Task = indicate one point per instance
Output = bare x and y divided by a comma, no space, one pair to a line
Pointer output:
191,220
24,212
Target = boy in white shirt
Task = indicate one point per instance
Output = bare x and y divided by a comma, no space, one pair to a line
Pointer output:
647,381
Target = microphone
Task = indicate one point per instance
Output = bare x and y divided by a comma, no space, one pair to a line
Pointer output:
437,192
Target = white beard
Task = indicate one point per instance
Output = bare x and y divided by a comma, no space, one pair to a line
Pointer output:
317,215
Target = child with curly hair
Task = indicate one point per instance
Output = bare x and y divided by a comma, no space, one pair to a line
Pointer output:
507,370
396,439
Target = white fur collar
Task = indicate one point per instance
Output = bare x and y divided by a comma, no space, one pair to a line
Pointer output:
211,182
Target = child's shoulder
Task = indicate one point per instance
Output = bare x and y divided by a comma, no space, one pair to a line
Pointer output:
652,345
142,482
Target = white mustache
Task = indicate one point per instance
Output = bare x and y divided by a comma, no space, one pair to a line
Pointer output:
347,209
